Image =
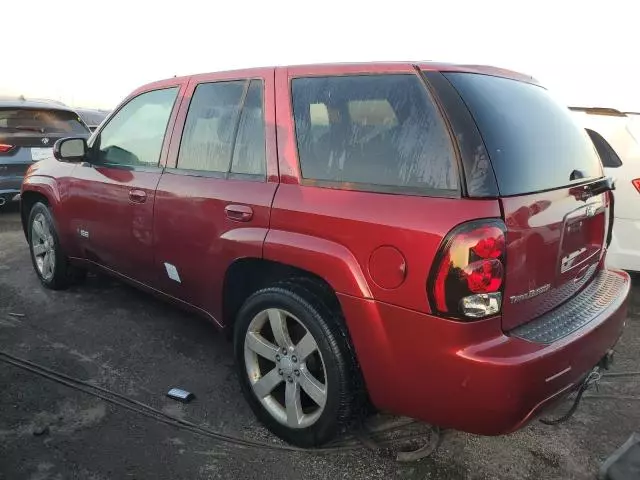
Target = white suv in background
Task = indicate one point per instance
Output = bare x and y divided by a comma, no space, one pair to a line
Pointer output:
616,136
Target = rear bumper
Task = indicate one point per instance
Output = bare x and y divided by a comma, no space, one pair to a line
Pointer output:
472,377
10,184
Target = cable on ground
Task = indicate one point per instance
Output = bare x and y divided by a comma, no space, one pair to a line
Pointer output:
158,415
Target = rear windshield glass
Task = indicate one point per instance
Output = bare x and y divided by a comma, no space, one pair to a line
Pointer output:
40,121
373,132
533,141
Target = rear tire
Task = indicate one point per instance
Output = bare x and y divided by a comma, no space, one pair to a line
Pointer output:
6,200
294,363
49,260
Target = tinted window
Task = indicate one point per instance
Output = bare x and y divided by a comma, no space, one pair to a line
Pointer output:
207,140
42,121
249,153
607,155
381,130
91,117
135,134
533,142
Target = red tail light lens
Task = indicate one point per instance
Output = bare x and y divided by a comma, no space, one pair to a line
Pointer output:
483,276
467,278
4,148
636,183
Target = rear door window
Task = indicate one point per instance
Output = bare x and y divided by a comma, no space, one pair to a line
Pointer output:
533,141
249,157
224,129
373,132
207,140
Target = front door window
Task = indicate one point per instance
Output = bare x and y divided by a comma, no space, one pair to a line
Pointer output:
134,136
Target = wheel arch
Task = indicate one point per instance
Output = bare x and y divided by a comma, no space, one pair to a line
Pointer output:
326,259
28,198
247,275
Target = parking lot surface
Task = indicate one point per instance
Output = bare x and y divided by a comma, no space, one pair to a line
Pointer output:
114,337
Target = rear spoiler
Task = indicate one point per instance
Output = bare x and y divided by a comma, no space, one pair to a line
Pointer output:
612,112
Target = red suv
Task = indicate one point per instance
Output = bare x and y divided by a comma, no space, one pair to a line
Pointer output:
427,237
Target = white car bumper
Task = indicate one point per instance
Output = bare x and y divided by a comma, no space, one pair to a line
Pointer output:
624,251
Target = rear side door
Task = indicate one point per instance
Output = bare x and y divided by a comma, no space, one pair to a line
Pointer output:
111,197
214,198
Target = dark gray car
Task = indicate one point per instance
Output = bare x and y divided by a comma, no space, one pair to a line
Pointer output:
93,118
28,130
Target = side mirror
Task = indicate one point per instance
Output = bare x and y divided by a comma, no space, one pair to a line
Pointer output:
70,149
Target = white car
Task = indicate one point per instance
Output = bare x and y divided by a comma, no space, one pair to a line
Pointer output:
616,136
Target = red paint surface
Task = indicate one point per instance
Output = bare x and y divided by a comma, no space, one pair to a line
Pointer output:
469,376
542,229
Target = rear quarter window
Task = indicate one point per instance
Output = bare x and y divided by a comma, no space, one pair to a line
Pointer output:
533,141
373,132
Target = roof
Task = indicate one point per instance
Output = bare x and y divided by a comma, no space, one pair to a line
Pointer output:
353,66
14,102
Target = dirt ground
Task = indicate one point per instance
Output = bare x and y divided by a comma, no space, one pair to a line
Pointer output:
117,338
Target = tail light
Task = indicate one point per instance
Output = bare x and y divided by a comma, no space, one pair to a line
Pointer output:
467,278
636,183
4,148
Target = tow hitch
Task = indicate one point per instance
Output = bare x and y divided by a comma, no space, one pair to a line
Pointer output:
607,360
591,379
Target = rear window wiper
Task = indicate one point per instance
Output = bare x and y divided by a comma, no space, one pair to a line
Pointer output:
25,128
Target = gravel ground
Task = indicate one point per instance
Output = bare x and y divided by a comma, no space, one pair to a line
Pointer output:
120,339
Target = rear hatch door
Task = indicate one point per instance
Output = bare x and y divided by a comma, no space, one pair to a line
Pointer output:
28,134
553,195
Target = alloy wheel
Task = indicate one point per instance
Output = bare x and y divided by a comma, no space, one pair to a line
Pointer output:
43,246
285,368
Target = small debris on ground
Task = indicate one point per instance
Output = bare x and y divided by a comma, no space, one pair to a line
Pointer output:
180,395
18,315
41,430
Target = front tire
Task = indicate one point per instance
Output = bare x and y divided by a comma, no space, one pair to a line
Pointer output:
48,259
295,366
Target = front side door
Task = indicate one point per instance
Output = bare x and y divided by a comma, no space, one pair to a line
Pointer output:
111,197
214,198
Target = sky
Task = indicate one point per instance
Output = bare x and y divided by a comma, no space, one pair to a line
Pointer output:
93,54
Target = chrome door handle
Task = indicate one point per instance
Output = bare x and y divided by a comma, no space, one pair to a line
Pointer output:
239,213
137,196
